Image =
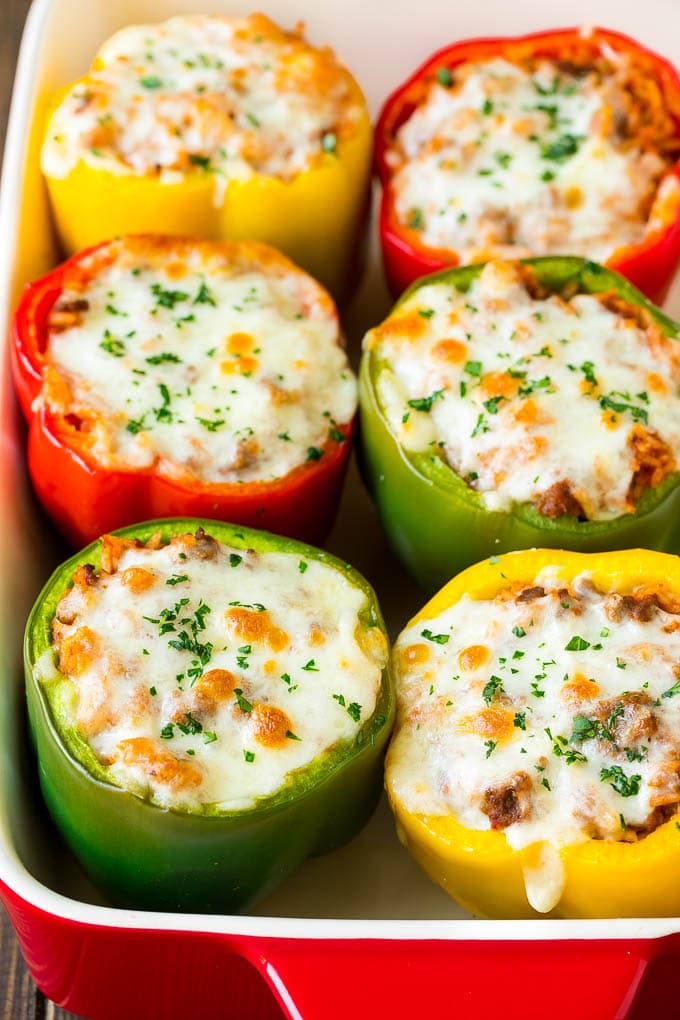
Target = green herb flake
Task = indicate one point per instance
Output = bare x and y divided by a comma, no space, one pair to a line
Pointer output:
204,297
311,667
425,403
177,579
493,687
249,755
112,345
243,704
329,143
576,644
626,786
439,639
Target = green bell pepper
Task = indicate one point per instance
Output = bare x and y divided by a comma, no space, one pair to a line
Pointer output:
436,524
145,856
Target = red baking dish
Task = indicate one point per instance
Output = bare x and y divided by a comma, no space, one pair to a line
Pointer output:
362,932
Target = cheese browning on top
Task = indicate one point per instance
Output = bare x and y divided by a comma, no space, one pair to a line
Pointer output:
536,157
550,712
571,404
216,361
230,96
204,675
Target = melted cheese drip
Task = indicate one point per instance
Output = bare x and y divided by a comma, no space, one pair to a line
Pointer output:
521,161
227,373
499,384
232,97
489,689
285,630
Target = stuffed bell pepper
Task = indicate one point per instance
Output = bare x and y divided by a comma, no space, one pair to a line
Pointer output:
165,376
559,142
518,404
210,706
534,768
220,127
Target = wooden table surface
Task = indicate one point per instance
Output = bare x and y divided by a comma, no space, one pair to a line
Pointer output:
19,998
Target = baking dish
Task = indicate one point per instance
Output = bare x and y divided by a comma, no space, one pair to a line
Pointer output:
362,932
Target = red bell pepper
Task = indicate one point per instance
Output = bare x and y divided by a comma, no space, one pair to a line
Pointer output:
85,498
649,265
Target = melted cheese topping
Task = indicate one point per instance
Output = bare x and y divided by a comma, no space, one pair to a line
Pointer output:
204,675
230,96
572,405
218,361
515,159
550,713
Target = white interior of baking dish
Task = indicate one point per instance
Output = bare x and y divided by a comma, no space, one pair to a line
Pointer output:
360,890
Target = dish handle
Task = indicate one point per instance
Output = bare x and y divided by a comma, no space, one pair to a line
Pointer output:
520,980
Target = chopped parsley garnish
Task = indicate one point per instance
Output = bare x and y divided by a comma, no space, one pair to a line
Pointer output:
519,631
520,720
561,749
576,644
425,403
204,297
415,219
493,687
314,453
197,160
234,559
292,736
480,426
211,424
302,566
490,746
672,691
167,298
444,77
163,413
167,731
151,82
243,704
473,368
191,727
112,345
426,313
608,403
561,148
492,403
249,755
167,357
177,579
487,107
439,639
336,435
311,667
627,786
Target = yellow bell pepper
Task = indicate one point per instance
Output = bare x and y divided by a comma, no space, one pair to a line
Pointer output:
318,217
478,867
